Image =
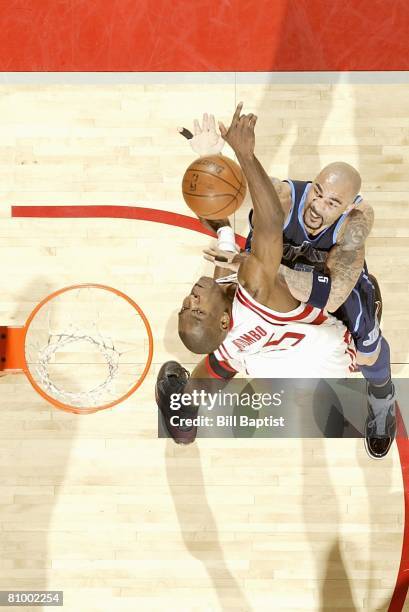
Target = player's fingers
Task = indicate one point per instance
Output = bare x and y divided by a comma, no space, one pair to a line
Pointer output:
205,122
196,127
253,121
210,251
212,123
186,133
223,129
237,112
208,257
245,121
241,121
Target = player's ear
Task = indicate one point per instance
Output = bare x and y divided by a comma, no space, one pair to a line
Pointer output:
225,321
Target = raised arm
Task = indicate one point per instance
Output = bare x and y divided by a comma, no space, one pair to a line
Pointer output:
207,141
268,216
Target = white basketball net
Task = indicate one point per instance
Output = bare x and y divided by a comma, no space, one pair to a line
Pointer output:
86,347
95,395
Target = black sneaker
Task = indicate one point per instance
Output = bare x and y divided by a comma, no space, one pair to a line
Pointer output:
380,426
172,378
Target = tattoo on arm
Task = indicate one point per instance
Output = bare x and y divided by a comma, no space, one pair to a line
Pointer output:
298,282
345,266
346,259
344,263
357,228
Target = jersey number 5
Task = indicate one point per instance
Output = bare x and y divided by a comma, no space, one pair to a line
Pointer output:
287,340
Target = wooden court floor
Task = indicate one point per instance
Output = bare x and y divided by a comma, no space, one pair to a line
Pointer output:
97,506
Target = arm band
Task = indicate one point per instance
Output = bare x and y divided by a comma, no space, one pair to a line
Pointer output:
219,369
321,288
186,133
226,239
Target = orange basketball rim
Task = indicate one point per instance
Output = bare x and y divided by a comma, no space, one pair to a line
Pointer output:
14,358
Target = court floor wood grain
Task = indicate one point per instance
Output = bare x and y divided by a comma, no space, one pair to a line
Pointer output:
97,506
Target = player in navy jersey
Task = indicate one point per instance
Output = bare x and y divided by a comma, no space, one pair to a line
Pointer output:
324,234
325,228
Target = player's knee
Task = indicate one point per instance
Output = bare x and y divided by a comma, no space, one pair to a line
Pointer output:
363,359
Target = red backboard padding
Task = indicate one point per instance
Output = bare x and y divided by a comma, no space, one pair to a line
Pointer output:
228,35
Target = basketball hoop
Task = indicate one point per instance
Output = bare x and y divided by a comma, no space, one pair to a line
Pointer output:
84,348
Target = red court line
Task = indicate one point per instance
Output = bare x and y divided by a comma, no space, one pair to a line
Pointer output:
402,581
137,213
183,221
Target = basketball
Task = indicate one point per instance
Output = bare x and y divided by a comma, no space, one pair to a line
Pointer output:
214,187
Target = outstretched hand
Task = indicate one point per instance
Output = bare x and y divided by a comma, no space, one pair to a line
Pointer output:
205,140
224,259
240,135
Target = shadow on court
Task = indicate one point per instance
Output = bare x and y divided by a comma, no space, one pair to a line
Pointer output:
36,445
198,526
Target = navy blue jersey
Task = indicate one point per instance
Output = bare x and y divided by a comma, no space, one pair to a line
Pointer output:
304,252
300,250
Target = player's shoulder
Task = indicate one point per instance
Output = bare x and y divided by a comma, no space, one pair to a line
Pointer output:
280,185
283,190
357,226
364,207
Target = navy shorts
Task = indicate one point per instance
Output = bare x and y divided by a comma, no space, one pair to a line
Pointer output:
359,314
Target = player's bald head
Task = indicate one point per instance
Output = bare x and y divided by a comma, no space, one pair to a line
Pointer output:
204,318
342,177
333,193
